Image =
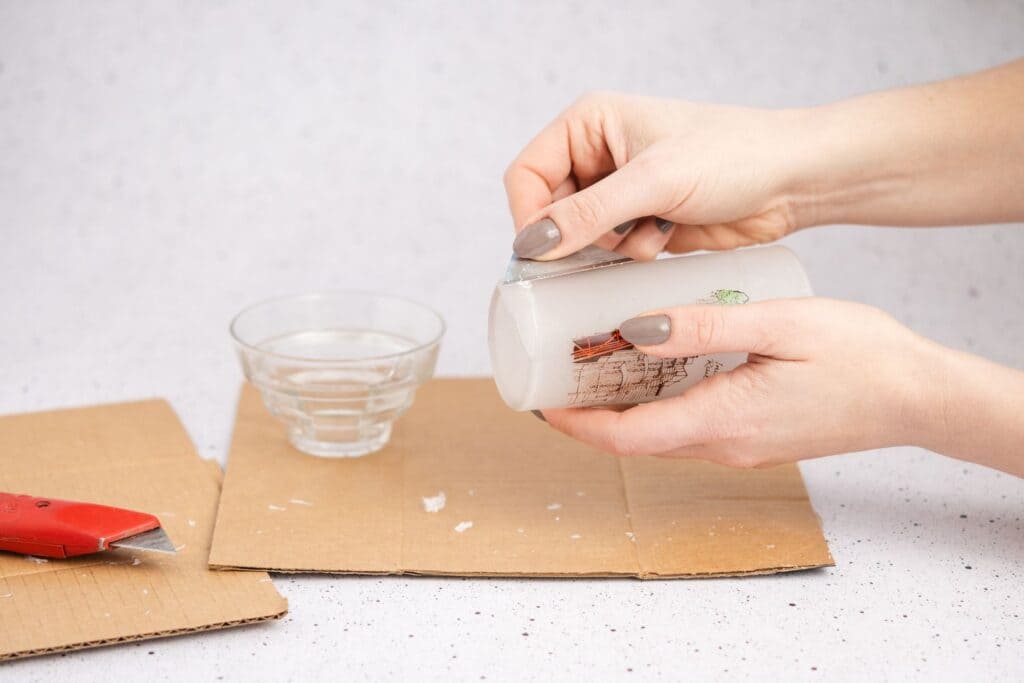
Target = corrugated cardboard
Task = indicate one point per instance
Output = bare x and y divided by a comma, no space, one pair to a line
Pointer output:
540,504
133,455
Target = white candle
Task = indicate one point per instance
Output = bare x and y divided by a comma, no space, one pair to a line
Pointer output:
554,341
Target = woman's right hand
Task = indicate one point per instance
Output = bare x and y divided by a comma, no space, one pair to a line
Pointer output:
719,177
691,176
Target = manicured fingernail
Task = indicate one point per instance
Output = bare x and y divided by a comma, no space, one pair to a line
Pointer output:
624,228
537,239
539,415
663,225
646,330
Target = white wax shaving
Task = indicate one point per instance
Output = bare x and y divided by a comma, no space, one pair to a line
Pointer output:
462,526
434,503
555,506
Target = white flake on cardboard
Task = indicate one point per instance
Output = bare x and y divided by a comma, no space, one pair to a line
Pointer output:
434,503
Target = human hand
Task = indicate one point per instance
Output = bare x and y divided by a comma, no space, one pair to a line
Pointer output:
639,175
822,377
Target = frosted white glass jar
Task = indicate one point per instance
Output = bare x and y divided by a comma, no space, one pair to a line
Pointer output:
554,341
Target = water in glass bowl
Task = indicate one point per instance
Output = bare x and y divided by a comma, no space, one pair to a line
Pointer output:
340,389
338,345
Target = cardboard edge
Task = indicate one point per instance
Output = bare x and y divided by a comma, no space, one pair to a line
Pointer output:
817,515
223,478
89,406
646,576
89,644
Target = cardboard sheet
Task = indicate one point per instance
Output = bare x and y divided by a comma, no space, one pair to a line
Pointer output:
133,455
519,500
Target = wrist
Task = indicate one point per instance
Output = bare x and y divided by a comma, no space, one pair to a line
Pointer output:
931,404
842,166
971,410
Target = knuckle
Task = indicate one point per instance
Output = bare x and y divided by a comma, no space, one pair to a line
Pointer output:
786,330
622,444
738,396
509,175
708,327
647,254
716,430
584,208
591,98
627,443
724,428
586,98
742,459
746,386
879,317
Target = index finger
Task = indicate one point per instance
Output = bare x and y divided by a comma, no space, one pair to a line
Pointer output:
542,166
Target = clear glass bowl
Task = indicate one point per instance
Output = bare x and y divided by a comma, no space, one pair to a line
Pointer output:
338,368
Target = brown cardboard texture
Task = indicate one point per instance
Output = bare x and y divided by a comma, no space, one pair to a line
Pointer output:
137,456
519,499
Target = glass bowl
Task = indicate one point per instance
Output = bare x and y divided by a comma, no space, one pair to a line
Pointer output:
338,368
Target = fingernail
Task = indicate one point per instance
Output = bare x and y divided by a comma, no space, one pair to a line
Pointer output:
663,225
539,415
537,239
646,330
624,228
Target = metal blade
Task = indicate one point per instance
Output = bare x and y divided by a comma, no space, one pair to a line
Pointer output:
155,540
587,258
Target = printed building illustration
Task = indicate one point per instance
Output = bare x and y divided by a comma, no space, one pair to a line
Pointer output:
626,377
609,370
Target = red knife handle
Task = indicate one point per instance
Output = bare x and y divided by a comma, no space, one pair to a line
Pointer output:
64,528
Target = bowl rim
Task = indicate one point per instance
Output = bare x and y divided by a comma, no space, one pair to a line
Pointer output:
324,294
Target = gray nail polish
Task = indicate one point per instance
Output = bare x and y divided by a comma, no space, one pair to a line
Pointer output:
539,415
646,330
663,225
537,239
624,228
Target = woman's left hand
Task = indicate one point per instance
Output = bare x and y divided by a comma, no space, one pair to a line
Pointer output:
822,377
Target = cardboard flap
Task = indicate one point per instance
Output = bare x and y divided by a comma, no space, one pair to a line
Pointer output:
133,455
519,499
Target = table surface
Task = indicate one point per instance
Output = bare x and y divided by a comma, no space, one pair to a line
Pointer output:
163,165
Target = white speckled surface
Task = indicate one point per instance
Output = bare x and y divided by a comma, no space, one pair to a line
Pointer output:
160,167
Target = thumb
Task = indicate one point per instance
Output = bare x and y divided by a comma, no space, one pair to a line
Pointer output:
568,225
779,329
